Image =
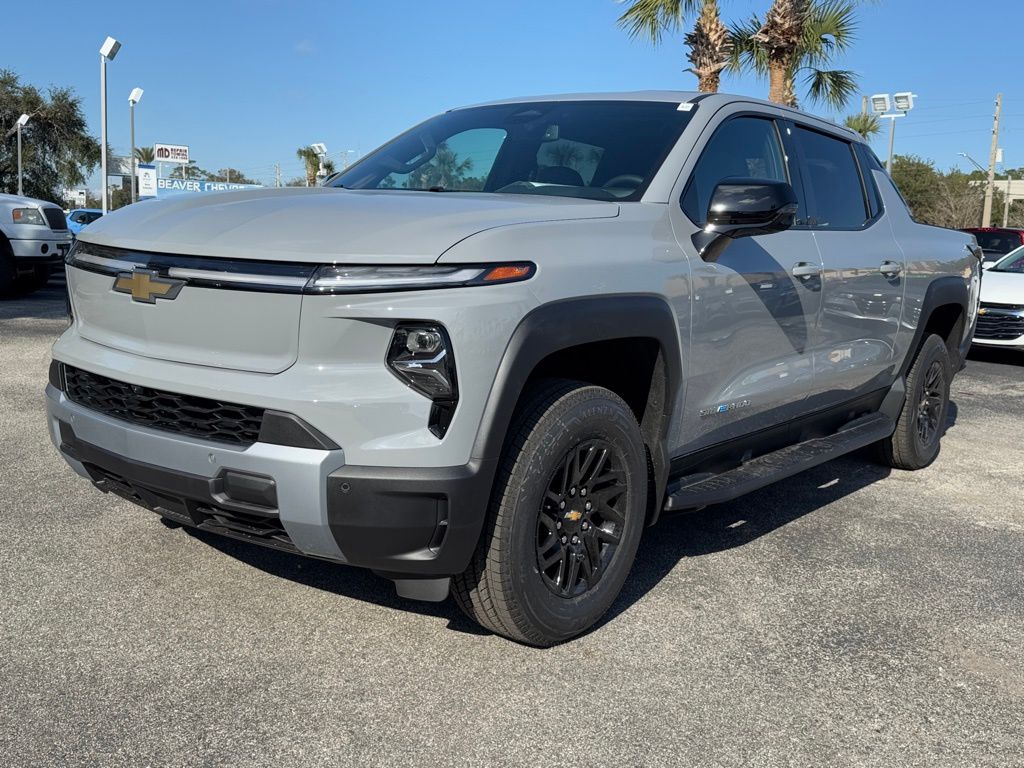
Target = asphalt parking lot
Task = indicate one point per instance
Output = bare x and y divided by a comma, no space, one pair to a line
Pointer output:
848,616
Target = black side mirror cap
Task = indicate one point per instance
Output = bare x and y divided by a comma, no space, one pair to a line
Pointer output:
745,208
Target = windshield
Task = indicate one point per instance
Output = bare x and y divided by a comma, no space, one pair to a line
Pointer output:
1013,262
601,150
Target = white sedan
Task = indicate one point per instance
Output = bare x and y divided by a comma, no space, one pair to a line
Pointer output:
1001,317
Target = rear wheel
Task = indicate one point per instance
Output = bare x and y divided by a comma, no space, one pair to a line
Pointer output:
30,282
8,274
565,517
921,423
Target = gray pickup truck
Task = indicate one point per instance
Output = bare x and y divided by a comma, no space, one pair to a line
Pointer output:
34,238
499,346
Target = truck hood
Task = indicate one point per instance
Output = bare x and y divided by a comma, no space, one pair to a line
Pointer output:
1002,287
325,224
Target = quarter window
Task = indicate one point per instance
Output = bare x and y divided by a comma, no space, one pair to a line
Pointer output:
744,147
830,172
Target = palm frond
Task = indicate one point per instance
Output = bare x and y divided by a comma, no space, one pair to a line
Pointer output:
867,125
746,51
653,18
833,87
830,29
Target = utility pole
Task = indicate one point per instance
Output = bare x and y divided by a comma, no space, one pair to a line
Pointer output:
277,174
990,188
1006,202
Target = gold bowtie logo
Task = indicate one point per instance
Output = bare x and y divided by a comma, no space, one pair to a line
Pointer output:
147,286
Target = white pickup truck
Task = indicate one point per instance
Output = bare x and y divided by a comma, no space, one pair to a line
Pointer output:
34,238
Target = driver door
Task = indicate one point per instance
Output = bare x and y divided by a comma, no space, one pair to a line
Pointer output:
754,311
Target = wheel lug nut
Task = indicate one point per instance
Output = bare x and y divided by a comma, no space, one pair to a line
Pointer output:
588,506
558,525
575,539
572,491
586,526
583,491
564,539
561,505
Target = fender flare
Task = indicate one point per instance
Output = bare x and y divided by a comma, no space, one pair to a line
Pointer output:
569,323
942,291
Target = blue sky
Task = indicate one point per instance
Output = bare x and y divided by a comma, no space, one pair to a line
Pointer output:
245,83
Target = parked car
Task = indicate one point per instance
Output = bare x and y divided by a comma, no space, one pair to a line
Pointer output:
996,242
507,340
34,237
1001,317
81,217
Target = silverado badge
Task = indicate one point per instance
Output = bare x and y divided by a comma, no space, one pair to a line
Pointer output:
147,286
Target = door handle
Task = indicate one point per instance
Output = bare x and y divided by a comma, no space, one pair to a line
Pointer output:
805,269
890,268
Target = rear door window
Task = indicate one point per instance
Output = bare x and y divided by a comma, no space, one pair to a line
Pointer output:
833,179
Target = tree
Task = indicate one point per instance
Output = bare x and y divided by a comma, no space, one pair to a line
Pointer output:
445,170
795,37
57,150
312,160
233,175
708,42
864,123
145,155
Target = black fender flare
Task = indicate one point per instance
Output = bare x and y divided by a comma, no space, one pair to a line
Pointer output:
942,291
569,323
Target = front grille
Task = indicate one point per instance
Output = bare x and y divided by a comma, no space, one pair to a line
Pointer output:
183,414
55,218
1000,323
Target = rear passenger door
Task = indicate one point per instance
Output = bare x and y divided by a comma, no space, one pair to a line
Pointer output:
862,300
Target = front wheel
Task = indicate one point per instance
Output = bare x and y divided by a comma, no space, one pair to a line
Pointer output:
921,423
565,517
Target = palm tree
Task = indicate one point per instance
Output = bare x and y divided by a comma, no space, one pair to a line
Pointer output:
145,155
867,125
710,46
798,36
312,160
709,42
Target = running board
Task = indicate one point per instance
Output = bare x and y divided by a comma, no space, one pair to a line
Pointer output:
702,490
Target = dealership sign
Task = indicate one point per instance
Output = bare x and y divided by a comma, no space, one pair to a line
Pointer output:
147,181
178,186
171,153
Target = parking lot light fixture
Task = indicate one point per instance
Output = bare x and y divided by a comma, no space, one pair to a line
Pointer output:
22,122
108,51
901,103
133,98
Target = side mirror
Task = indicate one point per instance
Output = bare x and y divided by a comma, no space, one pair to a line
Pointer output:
745,208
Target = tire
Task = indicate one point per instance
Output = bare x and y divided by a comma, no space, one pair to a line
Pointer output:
922,421
33,281
551,561
8,273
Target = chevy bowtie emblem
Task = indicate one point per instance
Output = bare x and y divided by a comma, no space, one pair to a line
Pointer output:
147,286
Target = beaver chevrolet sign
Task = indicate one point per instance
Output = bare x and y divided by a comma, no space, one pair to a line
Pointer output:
177,186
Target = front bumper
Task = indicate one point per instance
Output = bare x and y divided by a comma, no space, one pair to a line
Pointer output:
49,250
399,522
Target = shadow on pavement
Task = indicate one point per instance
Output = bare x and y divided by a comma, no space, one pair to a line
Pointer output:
674,538
997,355
47,303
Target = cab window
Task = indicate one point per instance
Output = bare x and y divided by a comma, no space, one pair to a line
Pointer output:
744,147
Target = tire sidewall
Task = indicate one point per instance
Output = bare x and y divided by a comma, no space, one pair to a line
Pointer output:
933,351
564,426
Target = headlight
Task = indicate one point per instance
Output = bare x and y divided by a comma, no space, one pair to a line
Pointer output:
28,216
363,279
420,355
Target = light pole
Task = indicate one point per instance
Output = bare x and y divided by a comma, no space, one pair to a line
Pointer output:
902,102
108,51
20,124
321,153
133,98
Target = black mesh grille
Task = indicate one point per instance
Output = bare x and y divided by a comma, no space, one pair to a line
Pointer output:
184,414
998,324
55,218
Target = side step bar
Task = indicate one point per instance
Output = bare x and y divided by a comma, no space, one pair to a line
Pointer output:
701,490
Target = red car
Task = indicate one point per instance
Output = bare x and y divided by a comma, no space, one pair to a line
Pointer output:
996,242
